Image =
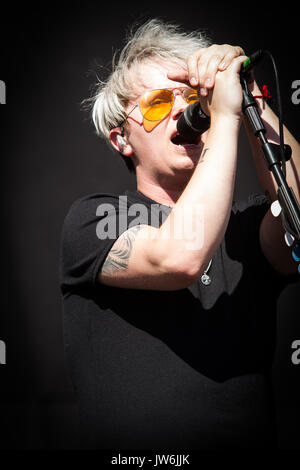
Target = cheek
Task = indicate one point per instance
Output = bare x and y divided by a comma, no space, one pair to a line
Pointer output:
149,142
143,146
149,151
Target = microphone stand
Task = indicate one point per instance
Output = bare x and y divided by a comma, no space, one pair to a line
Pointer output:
290,210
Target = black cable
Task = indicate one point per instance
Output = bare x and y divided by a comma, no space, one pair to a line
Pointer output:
280,113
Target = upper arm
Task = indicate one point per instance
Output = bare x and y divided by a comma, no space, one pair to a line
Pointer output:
274,248
131,263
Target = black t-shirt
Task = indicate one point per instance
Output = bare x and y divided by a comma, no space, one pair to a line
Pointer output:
184,369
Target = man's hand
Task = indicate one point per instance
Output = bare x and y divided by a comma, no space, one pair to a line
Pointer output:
225,99
203,65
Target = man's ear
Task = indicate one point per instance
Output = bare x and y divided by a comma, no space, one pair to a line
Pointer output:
119,142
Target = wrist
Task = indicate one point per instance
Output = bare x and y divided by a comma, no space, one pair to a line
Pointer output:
225,122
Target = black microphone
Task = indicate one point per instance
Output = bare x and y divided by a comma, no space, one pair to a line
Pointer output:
251,61
193,121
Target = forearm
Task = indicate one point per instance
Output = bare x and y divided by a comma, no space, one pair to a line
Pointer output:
205,203
266,178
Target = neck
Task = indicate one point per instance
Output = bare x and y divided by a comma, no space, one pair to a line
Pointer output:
161,194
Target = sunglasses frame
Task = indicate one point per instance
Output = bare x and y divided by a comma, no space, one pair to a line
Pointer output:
172,90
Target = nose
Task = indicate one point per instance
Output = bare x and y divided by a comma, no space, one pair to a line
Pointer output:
179,104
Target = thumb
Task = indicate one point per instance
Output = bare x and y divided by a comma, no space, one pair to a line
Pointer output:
179,74
236,64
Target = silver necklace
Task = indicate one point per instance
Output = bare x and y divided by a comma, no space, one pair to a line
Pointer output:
206,280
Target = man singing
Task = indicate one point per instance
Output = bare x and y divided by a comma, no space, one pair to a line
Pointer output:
170,290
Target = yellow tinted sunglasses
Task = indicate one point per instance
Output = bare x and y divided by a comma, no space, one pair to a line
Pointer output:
157,104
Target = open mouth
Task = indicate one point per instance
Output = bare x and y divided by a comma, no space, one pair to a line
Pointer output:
177,139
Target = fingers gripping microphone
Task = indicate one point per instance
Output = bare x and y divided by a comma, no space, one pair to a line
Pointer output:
193,121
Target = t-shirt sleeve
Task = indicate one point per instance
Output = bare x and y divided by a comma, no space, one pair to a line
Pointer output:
250,214
90,229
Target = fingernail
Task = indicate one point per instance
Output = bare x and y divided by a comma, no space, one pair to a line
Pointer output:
203,91
193,81
222,66
208,82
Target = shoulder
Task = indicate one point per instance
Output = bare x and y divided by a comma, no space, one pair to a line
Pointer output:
256,201
89,204
81,248
79,225
85,210
242,234
246,217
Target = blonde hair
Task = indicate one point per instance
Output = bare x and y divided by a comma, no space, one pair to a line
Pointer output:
154,39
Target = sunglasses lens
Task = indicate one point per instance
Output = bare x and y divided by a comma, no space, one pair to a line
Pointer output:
156,104
190,95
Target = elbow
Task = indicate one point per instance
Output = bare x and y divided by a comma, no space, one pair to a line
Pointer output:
177,268
182,274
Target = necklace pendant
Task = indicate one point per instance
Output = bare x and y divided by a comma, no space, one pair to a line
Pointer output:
206,280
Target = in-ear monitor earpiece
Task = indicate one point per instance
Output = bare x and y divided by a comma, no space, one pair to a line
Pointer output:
121,142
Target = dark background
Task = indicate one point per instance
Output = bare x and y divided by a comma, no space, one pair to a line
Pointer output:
51,156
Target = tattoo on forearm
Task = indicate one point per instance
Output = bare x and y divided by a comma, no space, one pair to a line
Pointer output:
119,255
202,155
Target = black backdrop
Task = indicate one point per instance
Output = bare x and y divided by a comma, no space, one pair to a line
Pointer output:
51,156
